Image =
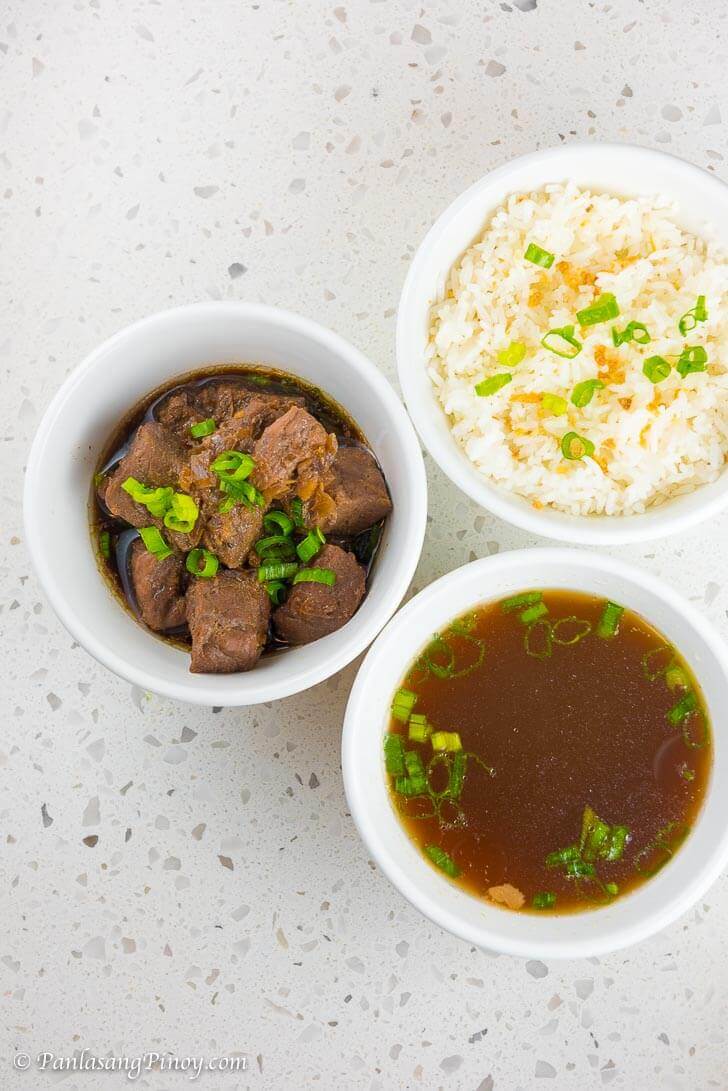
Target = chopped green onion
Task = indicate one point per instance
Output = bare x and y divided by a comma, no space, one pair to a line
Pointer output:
601,310
316,575
202,563
297,511
539,646
608,625
692,359
456,779
656,369
233,465
583,393
533,613
155,543
515,602
618,836
105,544
539,256
411,786
394,755
276,590
580,869
465,624
441,859
278,547
413,765
595,834
446,740
544,899
182,513
583,628
492,385
554,404
574,446
243,490
675,677
679,712
662,656
563,334
203,428
686,772
418,728
277,522
403,703
226,505
155,500
630,333
278,571
611,889
691,318
512,355
310,545
562,857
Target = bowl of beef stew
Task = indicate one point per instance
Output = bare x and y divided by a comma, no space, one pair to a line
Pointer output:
237,500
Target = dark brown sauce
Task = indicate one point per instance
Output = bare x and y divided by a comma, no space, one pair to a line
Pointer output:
582,726
331,415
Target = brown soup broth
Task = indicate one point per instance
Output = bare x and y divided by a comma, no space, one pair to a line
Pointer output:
334,418
584,725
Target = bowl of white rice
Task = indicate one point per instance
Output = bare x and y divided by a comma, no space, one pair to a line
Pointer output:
562,343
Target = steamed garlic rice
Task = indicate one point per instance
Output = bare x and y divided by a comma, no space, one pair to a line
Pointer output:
580,352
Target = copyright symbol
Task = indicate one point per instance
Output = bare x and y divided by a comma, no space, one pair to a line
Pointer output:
21,1061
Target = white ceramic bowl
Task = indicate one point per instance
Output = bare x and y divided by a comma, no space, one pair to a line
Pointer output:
630,918
621,169
98,394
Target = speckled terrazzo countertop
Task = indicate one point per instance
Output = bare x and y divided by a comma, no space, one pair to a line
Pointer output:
186,879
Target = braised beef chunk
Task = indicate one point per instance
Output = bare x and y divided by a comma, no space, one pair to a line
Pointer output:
228,620
313,610
231,534
359,493
293,456
155,457
221,401
159,587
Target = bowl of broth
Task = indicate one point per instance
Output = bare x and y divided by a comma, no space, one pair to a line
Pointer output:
533,753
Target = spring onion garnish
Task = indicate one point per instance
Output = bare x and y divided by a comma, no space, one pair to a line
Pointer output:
203,428
574,446
233,466
418,729
155,500
691,318
105,544
446,740
609,621
656,369
633,331
515,602
280,570
692,359
554,404
441,859
311,545
315,575
680,711
539,256
666,842
512,356
276,590
570,630
276,547
556,340
297,511
155,543
415,782
686,772
656,661
226,505
394,755
492,385
533,613
182,513
601,310
243,490
544,899
403,703
583,393
539,639
439,656
675,677
599,840
456,779
277,522
202,563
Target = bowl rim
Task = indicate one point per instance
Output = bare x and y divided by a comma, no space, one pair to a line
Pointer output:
573,529
607,937
200,689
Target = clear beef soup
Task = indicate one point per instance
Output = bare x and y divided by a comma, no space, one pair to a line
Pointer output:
237,512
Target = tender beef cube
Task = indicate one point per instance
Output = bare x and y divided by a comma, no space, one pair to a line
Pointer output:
221,401
358,491
228,619
293,456
232,534
179,412
159,587
313,610
155,457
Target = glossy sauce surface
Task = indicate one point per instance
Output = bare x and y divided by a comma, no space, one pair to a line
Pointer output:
582,726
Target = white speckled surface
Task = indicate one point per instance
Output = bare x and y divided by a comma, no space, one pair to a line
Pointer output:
154,153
